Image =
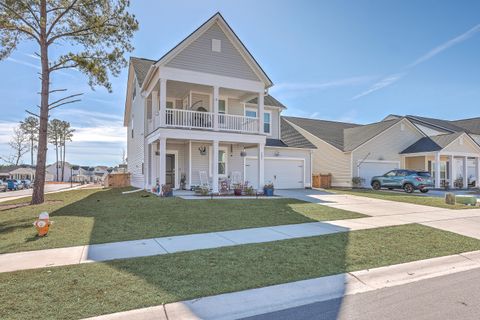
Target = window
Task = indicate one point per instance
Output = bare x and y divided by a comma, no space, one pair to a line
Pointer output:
390,173
267,120
134,94
216,45
222,106
251,113
169,104
131,126
222,162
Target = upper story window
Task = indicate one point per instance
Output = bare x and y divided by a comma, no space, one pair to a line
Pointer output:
216,45
134,93
267,121
222,106
251,113
131,126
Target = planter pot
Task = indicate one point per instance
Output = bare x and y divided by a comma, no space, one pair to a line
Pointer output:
237,192
268,192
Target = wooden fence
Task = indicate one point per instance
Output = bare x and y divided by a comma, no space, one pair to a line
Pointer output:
117,180
322,181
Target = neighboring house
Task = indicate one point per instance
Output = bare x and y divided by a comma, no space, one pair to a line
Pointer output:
449,150
201,113
20,172
52,170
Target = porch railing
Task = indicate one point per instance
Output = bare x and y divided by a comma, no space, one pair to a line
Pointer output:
230,122
180,118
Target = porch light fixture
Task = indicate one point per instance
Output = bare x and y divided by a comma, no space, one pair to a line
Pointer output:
157,153
277,153
243,153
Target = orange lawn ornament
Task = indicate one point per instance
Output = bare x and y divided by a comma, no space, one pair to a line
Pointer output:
42,224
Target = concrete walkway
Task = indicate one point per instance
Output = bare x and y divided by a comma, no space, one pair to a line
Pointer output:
382,213
252,302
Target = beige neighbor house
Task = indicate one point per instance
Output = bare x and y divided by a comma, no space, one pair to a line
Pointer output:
202,115
449,150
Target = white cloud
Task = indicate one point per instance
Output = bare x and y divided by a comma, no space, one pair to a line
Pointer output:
6,130
106,133
25,63
392,78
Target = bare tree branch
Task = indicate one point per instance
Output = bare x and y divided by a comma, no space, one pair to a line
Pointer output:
55,21
21,18
65,98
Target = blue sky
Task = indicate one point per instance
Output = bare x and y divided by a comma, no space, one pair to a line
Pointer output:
353,61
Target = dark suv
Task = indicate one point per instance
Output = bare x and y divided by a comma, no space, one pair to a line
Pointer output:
408,180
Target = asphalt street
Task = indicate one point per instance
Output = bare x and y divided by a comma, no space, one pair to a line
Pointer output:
456,296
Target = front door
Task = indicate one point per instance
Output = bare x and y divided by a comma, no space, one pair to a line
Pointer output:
170,170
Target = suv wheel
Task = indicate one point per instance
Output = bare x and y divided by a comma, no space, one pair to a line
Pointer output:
376,185
423,190
408,187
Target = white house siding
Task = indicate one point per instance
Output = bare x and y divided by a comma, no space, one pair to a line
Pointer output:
198,56
199,162
275,121
135,145
328,159
387,145
476,137
461,145
235,107
182,160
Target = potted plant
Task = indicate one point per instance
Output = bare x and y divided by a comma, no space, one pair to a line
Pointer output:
358,182
237,189
249,191
167,190
183,182
268,189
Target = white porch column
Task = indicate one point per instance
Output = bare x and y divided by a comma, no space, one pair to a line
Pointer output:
215,108
261,111
151,157
451,169
477,173
155,112
163,101
437,170
215,167
189,164
162,161
261,166
465,172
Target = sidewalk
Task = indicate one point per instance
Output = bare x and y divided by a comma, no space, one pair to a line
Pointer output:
252,302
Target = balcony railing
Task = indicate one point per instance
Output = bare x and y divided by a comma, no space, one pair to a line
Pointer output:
178,118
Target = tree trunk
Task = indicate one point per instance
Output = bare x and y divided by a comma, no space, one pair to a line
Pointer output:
31,149
56,159
39,186
63,161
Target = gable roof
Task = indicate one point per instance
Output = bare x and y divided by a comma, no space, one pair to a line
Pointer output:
471,125
141,67
268,101
433,143
218,18
438,123
292,138
355,137
329,131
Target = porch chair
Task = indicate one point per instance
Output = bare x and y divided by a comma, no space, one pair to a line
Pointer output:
236,177
204,179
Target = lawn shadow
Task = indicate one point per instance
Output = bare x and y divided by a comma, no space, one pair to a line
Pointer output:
195,274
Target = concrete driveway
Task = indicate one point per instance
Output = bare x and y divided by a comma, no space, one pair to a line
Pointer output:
309,195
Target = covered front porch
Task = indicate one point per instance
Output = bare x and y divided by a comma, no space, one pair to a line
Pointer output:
457,171
184,163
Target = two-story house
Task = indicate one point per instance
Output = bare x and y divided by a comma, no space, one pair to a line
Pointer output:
202,113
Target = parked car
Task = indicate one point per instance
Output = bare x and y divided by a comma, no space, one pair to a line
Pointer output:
27,184
408,180
3,186
20,185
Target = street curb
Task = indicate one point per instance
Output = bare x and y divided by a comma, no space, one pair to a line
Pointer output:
253,302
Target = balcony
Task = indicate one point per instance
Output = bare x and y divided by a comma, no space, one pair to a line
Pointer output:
188,119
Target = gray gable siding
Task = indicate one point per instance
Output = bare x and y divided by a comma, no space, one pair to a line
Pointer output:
198,56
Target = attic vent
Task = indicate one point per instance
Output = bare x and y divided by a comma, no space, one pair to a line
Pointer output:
216,45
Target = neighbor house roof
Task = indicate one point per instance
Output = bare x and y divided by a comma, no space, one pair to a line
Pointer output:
438,123
268,101
329,131
471,125
356,136
141,67
290,138
433,143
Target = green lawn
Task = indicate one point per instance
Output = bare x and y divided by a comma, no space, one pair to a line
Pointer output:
79,291
401,197
98,216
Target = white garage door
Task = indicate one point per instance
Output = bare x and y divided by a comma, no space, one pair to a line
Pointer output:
284,173
367,170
